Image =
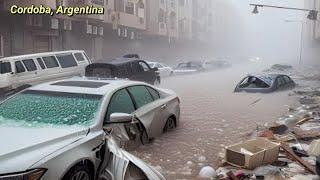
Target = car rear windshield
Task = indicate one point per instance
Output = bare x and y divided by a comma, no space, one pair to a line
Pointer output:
43,109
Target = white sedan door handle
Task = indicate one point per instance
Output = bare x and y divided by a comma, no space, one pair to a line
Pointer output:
163,106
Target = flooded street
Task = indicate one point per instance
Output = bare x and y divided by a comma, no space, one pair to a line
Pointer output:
212,117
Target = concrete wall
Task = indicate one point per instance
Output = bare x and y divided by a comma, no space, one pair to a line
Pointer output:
6,34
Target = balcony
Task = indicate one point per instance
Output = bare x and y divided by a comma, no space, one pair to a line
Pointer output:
130,14
84,3
130,20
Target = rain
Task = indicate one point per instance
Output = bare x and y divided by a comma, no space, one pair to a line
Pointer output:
218,72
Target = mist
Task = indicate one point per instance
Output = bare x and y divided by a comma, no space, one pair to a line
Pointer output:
272,35
266,35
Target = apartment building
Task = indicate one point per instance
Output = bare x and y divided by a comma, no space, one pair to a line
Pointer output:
185,19
162,20
123,22
24,34
202,19
314,26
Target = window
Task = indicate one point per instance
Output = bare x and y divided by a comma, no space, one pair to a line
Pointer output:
144,65
119,5
129,8
280,82
136,67
253,82
120,103
1,46
50,62
87,57
140,95
155,94
29,64
140,11
79,57
66,60
5,67
98,2
19,67
41,63
287,79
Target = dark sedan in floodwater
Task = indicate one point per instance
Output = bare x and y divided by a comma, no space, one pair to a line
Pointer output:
265,83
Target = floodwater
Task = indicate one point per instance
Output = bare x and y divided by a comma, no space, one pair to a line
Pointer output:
212,117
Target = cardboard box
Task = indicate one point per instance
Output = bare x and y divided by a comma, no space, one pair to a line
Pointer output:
252,153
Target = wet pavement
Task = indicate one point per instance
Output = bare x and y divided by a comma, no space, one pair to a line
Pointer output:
212,117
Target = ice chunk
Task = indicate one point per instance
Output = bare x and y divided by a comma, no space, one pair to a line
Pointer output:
207,172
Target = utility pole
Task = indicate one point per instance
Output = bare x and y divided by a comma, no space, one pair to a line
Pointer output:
301,38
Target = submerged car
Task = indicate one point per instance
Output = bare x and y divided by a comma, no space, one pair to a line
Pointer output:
130,68
163,69
188,68
65,129
265,83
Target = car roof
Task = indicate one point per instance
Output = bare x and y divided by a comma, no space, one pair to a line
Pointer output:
267,78
85,85
118,61
40,54
272,76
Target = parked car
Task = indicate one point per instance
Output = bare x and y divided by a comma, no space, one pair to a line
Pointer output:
61,129
188,68
30,69
217,64
265,83
163,69
133,69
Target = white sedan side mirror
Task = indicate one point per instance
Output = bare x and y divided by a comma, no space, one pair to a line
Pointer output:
121,118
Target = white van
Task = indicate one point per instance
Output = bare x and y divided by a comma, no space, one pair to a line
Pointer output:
31,69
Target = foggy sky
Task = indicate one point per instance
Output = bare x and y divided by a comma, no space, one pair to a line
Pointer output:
265,35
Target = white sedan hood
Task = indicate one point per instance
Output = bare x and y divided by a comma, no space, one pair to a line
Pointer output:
20,148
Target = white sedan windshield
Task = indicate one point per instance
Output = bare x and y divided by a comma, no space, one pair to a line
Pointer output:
40,108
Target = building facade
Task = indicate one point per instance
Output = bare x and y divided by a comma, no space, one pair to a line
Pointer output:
202,19
125,24
314,26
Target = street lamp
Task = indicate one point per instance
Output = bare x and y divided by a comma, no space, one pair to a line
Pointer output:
255,10
313,14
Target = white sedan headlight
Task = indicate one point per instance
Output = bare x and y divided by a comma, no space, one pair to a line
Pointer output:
34,174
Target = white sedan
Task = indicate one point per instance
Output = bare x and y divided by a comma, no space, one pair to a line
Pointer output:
65,129
163,69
